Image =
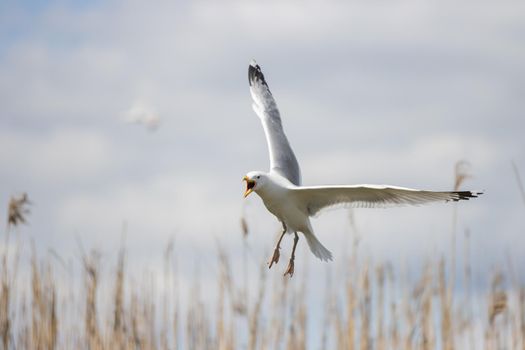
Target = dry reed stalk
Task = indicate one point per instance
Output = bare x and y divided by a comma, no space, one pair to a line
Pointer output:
514,304
175,326
119,327
91,266
148,317
42,331
302,315
9,272
244,226
410,314
245,287
143,319
17,210
522,316
340,335
292,341
392,317
498,298
461,173
245,292
352,295
427,338
497,306
380,339
167,291
418,297
53,331
136,338
298,319
468,287
198,334
16,214
365,309
24,334
230,344
336,321
394,331
45,324
237,303
302,320
351,305
279,304
38,303
220,328
175,323
191,325
446,309
327,311
5,317
255,314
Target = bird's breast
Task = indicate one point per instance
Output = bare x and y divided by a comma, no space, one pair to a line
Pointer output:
286,210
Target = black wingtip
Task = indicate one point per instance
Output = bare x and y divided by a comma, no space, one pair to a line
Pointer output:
255,73
466,195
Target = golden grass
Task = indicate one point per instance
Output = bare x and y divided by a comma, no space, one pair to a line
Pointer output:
364,315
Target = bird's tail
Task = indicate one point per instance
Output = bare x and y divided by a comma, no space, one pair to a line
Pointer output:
317,248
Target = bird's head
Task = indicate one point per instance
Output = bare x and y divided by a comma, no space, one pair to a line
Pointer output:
254,181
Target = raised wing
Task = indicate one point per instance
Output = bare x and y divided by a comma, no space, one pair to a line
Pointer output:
317,198
282,158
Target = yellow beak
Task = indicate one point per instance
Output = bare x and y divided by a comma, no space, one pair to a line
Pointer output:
250,184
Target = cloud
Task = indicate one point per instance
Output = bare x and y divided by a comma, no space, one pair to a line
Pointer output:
57,156
155,209
426,162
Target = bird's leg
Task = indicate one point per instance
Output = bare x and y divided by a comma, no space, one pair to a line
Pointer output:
290,269
275,256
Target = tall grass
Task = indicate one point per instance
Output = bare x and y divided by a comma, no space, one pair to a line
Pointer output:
363,315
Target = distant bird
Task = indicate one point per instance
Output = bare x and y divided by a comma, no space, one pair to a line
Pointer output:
139,113
293,204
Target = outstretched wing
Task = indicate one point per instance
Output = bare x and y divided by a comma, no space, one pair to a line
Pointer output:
282,158
317,198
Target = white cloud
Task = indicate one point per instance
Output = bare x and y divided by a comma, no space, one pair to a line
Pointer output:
427,161
155,209
54,157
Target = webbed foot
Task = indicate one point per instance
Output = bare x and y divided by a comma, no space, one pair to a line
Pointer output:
275,257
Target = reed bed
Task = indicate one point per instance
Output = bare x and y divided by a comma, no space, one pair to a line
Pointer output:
376,308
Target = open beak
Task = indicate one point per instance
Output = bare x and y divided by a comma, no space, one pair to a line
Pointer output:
250,184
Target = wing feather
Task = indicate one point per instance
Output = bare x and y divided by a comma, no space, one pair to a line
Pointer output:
282,158
317,198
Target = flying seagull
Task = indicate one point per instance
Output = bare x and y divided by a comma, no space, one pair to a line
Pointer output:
294,204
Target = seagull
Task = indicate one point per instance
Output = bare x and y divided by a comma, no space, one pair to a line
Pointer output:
293,204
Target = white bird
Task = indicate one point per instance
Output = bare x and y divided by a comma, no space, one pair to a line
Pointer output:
140,113
293,204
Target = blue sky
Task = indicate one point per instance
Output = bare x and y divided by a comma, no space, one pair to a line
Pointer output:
386,92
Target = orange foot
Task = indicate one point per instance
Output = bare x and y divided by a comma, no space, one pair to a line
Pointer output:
275,257
290,269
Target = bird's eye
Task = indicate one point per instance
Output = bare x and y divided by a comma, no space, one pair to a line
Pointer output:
258,176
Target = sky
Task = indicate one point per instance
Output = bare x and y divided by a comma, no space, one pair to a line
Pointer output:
382,92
